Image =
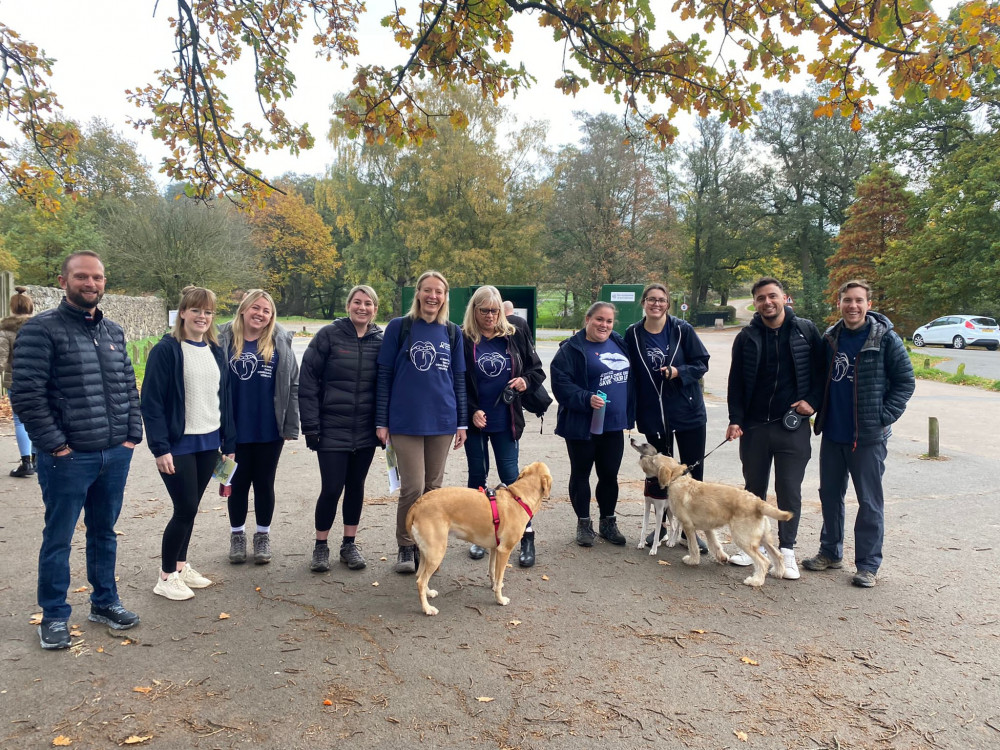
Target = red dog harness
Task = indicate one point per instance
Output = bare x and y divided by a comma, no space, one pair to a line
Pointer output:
491,495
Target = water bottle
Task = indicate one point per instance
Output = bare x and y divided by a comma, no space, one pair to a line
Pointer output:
597,420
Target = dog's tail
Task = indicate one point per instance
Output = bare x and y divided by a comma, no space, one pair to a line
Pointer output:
769,510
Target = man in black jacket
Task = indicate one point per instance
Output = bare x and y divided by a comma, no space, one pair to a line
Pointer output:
775,385
74,389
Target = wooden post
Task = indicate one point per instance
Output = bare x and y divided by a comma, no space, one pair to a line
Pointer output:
933,438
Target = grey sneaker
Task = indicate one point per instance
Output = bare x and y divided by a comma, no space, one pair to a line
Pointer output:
261,548
609,530
405,560
864,578
321,558
237,548
116,616
822,562
54,634
585,532
351,556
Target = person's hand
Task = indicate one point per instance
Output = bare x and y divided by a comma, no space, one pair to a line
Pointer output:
803,408
312,441
129,444
734,431
231,456
63,452
382,433
459,438
479,419
669,372
518,384
596,402
165,463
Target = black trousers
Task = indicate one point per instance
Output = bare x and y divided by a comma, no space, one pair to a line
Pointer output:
690,447
257,465
185,486
790,452
342,471
604,452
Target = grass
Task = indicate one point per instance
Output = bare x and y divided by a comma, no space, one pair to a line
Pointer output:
924,367
138,352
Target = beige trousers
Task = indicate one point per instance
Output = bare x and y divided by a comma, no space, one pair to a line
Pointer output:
421,460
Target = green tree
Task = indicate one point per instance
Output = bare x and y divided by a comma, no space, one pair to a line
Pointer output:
39,239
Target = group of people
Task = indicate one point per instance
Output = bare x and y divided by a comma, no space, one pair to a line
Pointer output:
422,387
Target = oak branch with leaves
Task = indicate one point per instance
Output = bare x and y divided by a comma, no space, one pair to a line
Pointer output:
706,56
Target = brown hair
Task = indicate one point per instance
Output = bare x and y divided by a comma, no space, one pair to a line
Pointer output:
20,303
195,296
859,283
80,253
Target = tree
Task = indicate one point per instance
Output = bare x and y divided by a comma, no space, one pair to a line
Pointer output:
877,219
108,166
296,250
615,44
39,239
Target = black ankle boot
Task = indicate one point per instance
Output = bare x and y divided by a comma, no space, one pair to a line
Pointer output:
527,557
25,469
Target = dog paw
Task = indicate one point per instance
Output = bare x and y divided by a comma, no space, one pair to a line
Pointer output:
641,544
753,581
652,551
503,601
723,558
430,611
688,560
431,593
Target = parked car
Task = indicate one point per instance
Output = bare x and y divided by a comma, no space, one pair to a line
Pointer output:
959,331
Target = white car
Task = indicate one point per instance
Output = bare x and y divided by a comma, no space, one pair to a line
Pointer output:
959,331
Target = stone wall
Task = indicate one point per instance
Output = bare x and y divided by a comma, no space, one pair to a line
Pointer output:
139,316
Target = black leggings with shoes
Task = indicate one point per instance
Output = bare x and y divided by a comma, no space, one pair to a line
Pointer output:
192,473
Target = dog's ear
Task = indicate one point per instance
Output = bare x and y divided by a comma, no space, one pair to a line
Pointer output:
664,474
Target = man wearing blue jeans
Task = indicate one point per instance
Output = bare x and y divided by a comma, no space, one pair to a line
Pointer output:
74,389
869,382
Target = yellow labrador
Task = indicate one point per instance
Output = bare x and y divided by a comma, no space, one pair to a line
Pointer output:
467,514
707,506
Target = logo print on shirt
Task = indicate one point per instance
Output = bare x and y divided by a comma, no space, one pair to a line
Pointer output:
422,355
614,360
842,368
657,357
245,366
492,364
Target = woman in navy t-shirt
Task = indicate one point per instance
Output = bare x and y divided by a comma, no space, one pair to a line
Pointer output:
420,399
264,379
594,360
498,356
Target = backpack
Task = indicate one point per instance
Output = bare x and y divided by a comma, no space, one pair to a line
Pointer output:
404,333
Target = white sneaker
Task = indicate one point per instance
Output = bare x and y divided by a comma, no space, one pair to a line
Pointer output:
173,588
193,578
791,567
744,560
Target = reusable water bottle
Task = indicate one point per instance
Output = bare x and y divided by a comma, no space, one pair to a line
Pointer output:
597,420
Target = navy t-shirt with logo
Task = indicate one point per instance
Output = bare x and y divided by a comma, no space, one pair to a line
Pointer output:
493,372
607,371
656,349
839,425
252,384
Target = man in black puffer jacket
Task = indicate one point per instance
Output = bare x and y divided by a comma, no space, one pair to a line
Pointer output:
74,389
869,383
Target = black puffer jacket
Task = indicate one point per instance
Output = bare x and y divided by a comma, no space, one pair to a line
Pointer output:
883,380
337,386
74,382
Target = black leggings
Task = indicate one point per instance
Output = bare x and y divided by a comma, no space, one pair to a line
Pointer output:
256,463
185,486
342,471
605,452
690,446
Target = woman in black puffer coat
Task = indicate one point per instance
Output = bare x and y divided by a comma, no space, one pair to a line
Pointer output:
337,409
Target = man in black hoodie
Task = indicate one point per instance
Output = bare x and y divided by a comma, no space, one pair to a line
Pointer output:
775,385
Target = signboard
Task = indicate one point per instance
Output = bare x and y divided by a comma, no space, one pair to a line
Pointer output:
684,307
623,296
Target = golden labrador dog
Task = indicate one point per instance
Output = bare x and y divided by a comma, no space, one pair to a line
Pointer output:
707,506
467,513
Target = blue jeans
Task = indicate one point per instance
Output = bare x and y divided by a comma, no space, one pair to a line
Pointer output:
865,465
93,482
477,454
23,441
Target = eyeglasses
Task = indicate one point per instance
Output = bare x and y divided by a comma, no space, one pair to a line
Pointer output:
489,311
656,300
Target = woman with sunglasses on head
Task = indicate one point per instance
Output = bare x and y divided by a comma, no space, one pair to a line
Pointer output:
188,414
669,360
420,403
337,403
264,381
501,364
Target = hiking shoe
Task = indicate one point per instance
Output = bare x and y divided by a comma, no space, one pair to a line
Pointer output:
585,532
663,535
609,530
261,548
406,560
115,617
527,557
864,578
193,578
351,556
173,588
321,558
702,545
791,567
476,552
25,469
237,548
821,562
54,634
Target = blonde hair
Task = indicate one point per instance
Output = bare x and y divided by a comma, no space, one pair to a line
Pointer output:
364,289
442,316
195,296
482,296
265,342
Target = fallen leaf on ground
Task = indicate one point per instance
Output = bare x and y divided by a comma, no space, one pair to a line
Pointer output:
662,562
375,584
328,702
741,735
100,649
382,559
36,619
119,533
80,590
483,699
748,660
62,741
697,630
136,739
141,689
75,631
515,623
545,578
126,642
223,616
257,589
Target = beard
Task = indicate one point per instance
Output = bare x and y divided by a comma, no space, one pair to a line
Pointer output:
85,302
